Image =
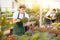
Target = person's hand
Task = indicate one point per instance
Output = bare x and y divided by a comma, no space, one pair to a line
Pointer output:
33,22
50,19
18,20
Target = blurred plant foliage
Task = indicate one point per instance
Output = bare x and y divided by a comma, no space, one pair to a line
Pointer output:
35,10
58,15
5,23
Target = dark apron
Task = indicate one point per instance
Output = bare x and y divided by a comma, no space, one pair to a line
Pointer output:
47,21
18,28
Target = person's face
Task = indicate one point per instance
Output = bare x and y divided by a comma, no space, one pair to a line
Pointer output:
53,11
22,10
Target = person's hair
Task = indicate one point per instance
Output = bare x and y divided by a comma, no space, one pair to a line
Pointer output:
54,9
22,6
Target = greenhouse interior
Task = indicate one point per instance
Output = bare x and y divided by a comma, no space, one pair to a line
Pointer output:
29,19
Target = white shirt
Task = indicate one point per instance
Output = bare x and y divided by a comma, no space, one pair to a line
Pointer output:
15,15
51,15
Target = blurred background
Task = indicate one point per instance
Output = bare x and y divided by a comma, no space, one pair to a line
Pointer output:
35,8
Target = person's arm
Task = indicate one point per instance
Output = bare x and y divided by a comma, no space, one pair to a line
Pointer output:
46,16
28,23
15,17
16,20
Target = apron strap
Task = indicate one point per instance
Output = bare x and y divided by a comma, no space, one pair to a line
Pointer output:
23,15
19,14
